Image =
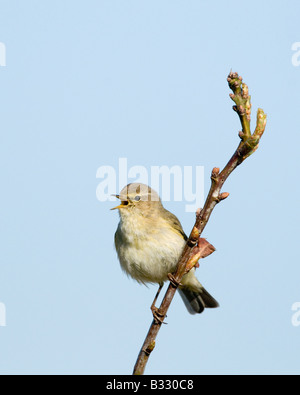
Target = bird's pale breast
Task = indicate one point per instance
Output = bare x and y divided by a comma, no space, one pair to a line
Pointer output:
147,253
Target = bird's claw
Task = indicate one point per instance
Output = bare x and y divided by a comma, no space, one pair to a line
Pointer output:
173,280
158,317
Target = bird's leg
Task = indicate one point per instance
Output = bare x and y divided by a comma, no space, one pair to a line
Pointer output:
157,294
155,311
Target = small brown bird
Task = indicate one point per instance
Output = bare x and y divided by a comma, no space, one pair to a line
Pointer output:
149,241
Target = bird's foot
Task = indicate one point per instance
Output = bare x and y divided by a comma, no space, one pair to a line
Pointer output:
158,317
173,280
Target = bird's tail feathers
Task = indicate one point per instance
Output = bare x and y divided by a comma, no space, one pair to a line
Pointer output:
194,295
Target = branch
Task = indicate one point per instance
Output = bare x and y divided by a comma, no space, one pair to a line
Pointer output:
197,247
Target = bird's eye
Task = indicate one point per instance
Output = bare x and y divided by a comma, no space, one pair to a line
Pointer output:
137,198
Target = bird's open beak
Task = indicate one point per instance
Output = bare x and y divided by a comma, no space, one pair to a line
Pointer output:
124,203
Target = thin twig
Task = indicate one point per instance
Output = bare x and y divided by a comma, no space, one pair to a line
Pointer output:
195,247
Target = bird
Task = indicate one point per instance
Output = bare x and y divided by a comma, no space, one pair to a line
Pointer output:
149,241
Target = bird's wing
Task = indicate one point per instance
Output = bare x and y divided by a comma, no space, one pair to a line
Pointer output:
172,219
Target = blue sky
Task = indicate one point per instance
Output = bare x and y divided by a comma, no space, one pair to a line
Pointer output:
89,82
